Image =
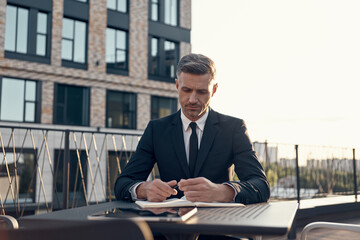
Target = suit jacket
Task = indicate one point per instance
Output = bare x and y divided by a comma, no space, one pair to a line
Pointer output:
224,143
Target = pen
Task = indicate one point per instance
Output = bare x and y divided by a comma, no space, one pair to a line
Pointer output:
175,186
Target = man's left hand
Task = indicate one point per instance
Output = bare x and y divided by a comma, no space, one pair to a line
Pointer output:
203,190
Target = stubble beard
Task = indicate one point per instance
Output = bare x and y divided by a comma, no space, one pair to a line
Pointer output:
194,114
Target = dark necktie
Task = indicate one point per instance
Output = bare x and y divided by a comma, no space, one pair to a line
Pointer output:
193,150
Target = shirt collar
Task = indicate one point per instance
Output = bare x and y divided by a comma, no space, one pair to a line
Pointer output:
200,122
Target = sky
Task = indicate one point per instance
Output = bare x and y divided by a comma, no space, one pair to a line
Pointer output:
290,69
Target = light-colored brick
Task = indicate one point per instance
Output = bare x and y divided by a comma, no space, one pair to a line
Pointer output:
47,101
185,48
56,32
143,110
138,35
2,26
97,107
97,36
185,14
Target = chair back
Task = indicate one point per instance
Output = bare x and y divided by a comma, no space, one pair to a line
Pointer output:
75,230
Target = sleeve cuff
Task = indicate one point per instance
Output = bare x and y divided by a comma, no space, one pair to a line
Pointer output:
132,191
235,191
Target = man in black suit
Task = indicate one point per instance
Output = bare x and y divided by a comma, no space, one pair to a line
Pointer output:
195,149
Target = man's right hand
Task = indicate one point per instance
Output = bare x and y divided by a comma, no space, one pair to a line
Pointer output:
156,191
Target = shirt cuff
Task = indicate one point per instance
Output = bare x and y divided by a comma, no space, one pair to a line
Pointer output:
235,191
132,191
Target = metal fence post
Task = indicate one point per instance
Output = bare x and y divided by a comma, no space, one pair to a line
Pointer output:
66,170
355,176
266,153
297,173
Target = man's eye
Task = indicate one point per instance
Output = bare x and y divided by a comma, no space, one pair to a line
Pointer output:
203,92
186,90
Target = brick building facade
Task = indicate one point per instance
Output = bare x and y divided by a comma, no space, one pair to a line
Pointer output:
144,23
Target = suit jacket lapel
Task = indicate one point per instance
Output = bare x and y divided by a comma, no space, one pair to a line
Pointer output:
178,142
210,131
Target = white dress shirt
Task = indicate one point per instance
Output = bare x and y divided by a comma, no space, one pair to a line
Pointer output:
200,124
187,133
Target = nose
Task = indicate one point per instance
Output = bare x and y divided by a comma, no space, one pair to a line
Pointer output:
193,98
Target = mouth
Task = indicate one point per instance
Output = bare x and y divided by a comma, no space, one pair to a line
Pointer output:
193,108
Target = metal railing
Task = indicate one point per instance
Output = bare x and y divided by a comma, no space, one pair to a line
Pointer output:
309,171
45,169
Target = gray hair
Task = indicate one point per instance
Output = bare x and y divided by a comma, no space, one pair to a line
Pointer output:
196,64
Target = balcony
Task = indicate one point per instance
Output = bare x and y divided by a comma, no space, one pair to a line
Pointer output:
47,169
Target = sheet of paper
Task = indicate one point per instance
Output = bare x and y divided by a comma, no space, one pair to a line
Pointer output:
176,202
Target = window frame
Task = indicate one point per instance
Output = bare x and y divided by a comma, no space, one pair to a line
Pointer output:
37,114
173,103
161,56
133,124
177,14
116,70
161,12
72,63
34,175
32,33
157,4
117,5
85,105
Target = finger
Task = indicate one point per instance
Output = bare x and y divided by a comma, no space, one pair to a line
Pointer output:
155,192
194,196
196,186
191,181
168,187
172,183
155,196
164,188
155,199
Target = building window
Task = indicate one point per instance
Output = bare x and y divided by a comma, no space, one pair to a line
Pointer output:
170,12
21,167
154,57
117,5
154,10
71,105
16,34
74,41
121,110
162,106
165,11
41,34
163,59
170,58
27,32
116,49
19,100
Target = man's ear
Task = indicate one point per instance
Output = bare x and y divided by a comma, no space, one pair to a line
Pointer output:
214,89
177,83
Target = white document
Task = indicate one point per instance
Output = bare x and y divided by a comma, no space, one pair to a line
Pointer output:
176,202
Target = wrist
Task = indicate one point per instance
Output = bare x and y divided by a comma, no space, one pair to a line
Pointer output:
226,193
141,191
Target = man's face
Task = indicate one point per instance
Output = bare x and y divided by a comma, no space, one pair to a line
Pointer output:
195,92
